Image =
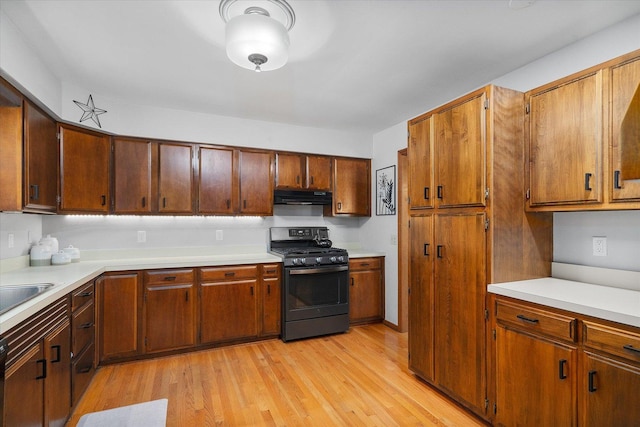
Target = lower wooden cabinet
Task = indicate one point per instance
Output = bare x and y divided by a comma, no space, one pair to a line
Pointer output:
271,303
83,329
366,290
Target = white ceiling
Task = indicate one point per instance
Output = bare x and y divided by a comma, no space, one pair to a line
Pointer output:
354,64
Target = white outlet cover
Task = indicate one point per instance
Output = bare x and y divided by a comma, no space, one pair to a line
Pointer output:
142,236
599,246
218,234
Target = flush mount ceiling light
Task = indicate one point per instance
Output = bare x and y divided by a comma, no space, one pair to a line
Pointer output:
258,37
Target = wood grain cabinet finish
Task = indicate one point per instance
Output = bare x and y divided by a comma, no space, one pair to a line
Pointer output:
175,178
40,161
472,230
318,172
170,302
366,290
119,304
351,188
582,139
300,171
134,176
217,187
84,170
256,182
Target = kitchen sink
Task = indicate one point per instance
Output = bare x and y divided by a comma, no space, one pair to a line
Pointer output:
14,295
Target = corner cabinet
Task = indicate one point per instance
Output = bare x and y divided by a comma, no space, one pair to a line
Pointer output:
351,188
467,228
581,132
84,170
366,290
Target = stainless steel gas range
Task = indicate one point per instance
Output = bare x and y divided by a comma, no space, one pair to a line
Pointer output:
315,288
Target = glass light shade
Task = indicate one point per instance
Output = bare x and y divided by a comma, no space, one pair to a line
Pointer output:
257,34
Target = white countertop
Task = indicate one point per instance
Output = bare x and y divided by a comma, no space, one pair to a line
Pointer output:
605,302
67,278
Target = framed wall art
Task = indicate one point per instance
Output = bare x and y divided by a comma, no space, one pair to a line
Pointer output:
386,191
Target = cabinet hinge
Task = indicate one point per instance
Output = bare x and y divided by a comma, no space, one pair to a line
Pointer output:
486,193
527,108
113,148
486,404
486,104
527,194
58,200
58,136
486,225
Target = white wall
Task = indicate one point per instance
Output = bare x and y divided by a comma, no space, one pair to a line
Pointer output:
25,228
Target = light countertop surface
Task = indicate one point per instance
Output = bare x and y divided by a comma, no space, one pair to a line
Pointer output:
66,278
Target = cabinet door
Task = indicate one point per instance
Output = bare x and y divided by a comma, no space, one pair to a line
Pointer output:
215,189
175,181
609,392
421,193
40,161
256,183
460,147
289,171
460,290
11,148
119,297
565,140
57,390
25,381
365,295
352,192
271,306
228,310
535,381
421,298
84,171
625,131
170,316
318,173
133,176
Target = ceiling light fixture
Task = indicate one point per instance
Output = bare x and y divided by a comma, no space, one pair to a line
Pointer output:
255,39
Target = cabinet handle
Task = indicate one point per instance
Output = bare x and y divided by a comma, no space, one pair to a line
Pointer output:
440,192
35,195
86,325
86,294
311,180
186,296
268,289
352,281
616,180
364,264
439,251
587,182
44,369
104,200
426,249
244,203
251,290
270,271
169,278
339,206
144,202
83,370
228,203
561,365
57,349
298,179
164,202
631,348
229,274
426,193
527,319
592,386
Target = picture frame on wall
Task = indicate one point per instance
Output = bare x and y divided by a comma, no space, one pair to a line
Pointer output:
386,191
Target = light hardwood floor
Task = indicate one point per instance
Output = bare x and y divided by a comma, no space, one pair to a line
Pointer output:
358,378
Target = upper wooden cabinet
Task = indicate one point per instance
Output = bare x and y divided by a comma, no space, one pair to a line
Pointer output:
84,170
11,147
216,185
299,171
175,178
255,169
419,156
134,176
583,139
351,188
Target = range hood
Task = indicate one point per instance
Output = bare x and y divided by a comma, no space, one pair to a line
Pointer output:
300,197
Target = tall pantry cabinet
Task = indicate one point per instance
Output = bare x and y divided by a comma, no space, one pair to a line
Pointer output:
468,228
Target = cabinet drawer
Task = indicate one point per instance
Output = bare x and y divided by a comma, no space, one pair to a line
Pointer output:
365,264
80,296
82,370
270,270
83,329
612,340
163,277
535,320
217,274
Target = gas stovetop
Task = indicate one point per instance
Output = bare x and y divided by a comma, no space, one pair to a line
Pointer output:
305,246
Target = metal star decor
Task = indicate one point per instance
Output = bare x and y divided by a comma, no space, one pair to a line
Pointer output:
90,111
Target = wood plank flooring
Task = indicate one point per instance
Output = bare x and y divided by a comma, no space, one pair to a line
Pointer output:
359,378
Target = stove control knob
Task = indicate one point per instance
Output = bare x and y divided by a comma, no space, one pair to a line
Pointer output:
333,259
341,258
319,259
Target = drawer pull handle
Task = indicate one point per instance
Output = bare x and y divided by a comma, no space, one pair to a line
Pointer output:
561,365
268,289
439,192
364,264
587,182
439,251
86,294
169,278
616,180
352,281
104,200
43,362
251,290
426,193
270,271
631,348
592,387
86,325
527,319
83,370
426,249
57,349
229,274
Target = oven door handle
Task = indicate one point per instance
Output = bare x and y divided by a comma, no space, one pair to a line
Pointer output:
333,269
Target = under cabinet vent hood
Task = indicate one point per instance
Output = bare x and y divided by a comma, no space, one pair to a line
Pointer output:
297,197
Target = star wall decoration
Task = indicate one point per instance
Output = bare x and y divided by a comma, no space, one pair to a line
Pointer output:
90,111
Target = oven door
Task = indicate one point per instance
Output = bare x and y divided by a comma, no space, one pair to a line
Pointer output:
312,292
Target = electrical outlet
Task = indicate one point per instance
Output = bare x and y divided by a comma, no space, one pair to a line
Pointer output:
218,234
599,246
142,236
10,240
394,239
